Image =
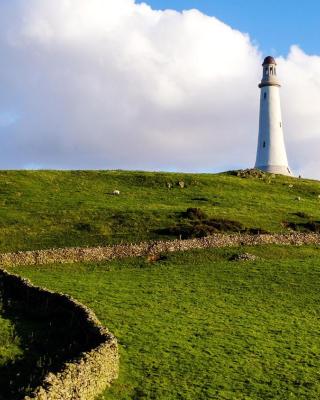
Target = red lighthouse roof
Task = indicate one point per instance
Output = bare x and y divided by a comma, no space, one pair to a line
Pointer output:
269,60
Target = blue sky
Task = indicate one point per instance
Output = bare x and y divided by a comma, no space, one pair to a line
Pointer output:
274,24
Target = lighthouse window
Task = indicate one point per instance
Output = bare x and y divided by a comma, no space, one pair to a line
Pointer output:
265,95
280,124
264,144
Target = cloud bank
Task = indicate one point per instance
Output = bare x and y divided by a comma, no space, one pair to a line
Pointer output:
114,84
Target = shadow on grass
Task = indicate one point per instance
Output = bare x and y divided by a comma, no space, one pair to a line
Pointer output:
47,341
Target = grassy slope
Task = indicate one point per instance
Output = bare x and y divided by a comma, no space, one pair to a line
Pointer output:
197,326
9,342
41,209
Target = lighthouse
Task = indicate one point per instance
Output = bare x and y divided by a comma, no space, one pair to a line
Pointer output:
271,151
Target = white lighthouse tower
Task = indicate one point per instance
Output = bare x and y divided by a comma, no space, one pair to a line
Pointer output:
271,151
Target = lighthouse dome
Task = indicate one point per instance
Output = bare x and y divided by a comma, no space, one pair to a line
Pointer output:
269,60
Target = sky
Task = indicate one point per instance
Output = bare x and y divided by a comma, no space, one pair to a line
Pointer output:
274,25
113,84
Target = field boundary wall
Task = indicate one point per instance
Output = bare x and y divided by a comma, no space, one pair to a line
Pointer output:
119,251
87,375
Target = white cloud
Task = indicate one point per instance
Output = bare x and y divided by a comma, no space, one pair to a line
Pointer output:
301,105
113,84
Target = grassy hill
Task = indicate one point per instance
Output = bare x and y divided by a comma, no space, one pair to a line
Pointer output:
196,325
44,209
192,325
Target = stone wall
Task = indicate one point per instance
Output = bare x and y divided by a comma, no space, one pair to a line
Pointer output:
93,370
96,254
88,375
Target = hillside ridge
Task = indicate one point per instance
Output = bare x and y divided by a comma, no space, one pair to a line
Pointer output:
46,209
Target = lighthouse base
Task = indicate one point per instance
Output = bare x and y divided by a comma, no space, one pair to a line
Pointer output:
275,169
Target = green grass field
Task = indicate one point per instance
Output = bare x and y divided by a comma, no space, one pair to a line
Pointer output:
9,342
196,325
44,209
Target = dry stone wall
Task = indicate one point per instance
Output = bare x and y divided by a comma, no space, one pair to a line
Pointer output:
85,377
96,254
93,370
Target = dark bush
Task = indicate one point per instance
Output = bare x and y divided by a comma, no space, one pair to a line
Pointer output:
313,226
310,226
195,213
225,225
194,223
302,214
200,228
83,227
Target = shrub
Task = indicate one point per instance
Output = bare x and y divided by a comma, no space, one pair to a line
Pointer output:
195,213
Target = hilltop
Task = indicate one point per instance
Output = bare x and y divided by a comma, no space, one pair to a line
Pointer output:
46,209
212,323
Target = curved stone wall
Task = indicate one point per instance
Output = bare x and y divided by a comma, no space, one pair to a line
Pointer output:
86,377
93,370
